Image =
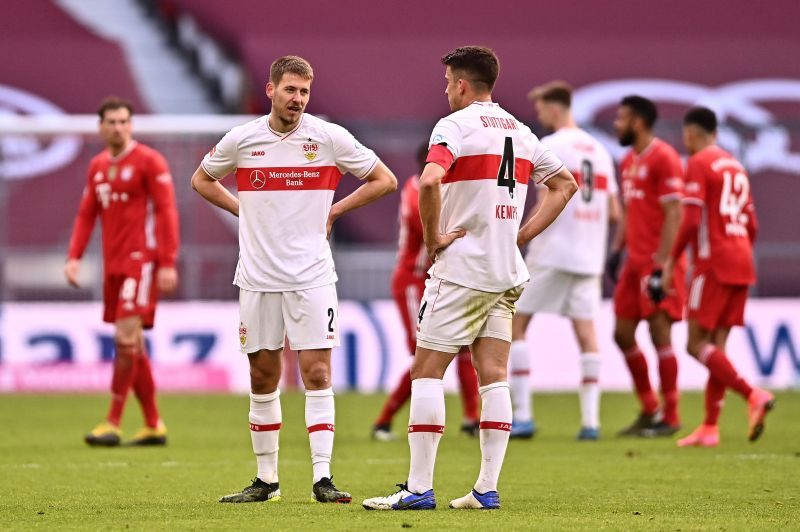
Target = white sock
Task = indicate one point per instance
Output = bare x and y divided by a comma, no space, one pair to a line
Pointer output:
520,372
320,414
589,392
425,429
265,427
495,429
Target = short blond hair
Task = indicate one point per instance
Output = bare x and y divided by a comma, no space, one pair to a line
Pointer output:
290,64
555,91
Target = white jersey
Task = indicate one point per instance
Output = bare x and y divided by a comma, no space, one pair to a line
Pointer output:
576,241
286,184
483,193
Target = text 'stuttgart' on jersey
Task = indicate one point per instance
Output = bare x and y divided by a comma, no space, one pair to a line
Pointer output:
133,195
483,192
286,184
576,240
412,257
719,184
648,179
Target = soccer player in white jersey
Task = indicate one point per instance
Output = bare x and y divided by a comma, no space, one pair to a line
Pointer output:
566,260
472,192
287,166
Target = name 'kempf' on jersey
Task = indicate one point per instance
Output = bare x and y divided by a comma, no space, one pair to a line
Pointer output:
486,202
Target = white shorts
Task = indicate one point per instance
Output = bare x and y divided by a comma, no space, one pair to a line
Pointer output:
559,292
452,316
308,317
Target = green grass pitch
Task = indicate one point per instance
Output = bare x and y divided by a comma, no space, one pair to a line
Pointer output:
50,480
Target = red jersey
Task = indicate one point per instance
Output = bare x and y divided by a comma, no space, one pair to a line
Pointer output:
719,184
412,258
133,195
648,179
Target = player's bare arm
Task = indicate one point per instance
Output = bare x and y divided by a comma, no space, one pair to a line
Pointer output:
614,209
71,269
430,207
214,192
672,221
379,182
167,279
560,188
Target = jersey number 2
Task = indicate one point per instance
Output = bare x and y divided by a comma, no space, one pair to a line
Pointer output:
505,175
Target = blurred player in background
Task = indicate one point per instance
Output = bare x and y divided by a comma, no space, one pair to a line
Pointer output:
472,193
129,187
408,283
566,260
652,187
719,220
288,165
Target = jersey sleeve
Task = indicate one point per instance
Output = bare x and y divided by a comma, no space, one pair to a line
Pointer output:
669,184
84,221
350,155
545,163
448,134
222,159
162,193
695,190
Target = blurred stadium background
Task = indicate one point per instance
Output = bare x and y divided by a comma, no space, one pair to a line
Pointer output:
193,68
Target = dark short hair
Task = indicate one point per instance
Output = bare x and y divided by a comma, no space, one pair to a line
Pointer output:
478,63
641,107
112,103
290,64
555,91
703,117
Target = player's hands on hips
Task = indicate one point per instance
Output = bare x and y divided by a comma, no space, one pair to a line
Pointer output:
440,242
167,280
71,269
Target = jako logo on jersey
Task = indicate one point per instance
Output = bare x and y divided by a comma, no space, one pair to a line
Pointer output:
257,153
743,101
257,179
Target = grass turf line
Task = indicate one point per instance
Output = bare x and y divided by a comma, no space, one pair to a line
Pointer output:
50,479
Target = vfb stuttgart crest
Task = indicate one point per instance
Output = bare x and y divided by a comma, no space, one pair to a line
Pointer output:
242,334
310,151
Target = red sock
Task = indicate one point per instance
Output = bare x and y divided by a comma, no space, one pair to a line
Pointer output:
720,368
121,381
637,365
715,395
469,386
395,401
668,373
145,389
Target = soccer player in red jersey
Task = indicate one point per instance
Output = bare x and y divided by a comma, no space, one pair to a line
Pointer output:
129,187
652,186
408,284
719,220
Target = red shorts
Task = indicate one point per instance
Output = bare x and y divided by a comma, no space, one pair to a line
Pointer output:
133,293
714,305
632,302
407,295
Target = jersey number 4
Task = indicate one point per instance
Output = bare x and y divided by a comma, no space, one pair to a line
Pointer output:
505,175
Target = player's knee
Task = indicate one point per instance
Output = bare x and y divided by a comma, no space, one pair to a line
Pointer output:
264,378
317,376
623,339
